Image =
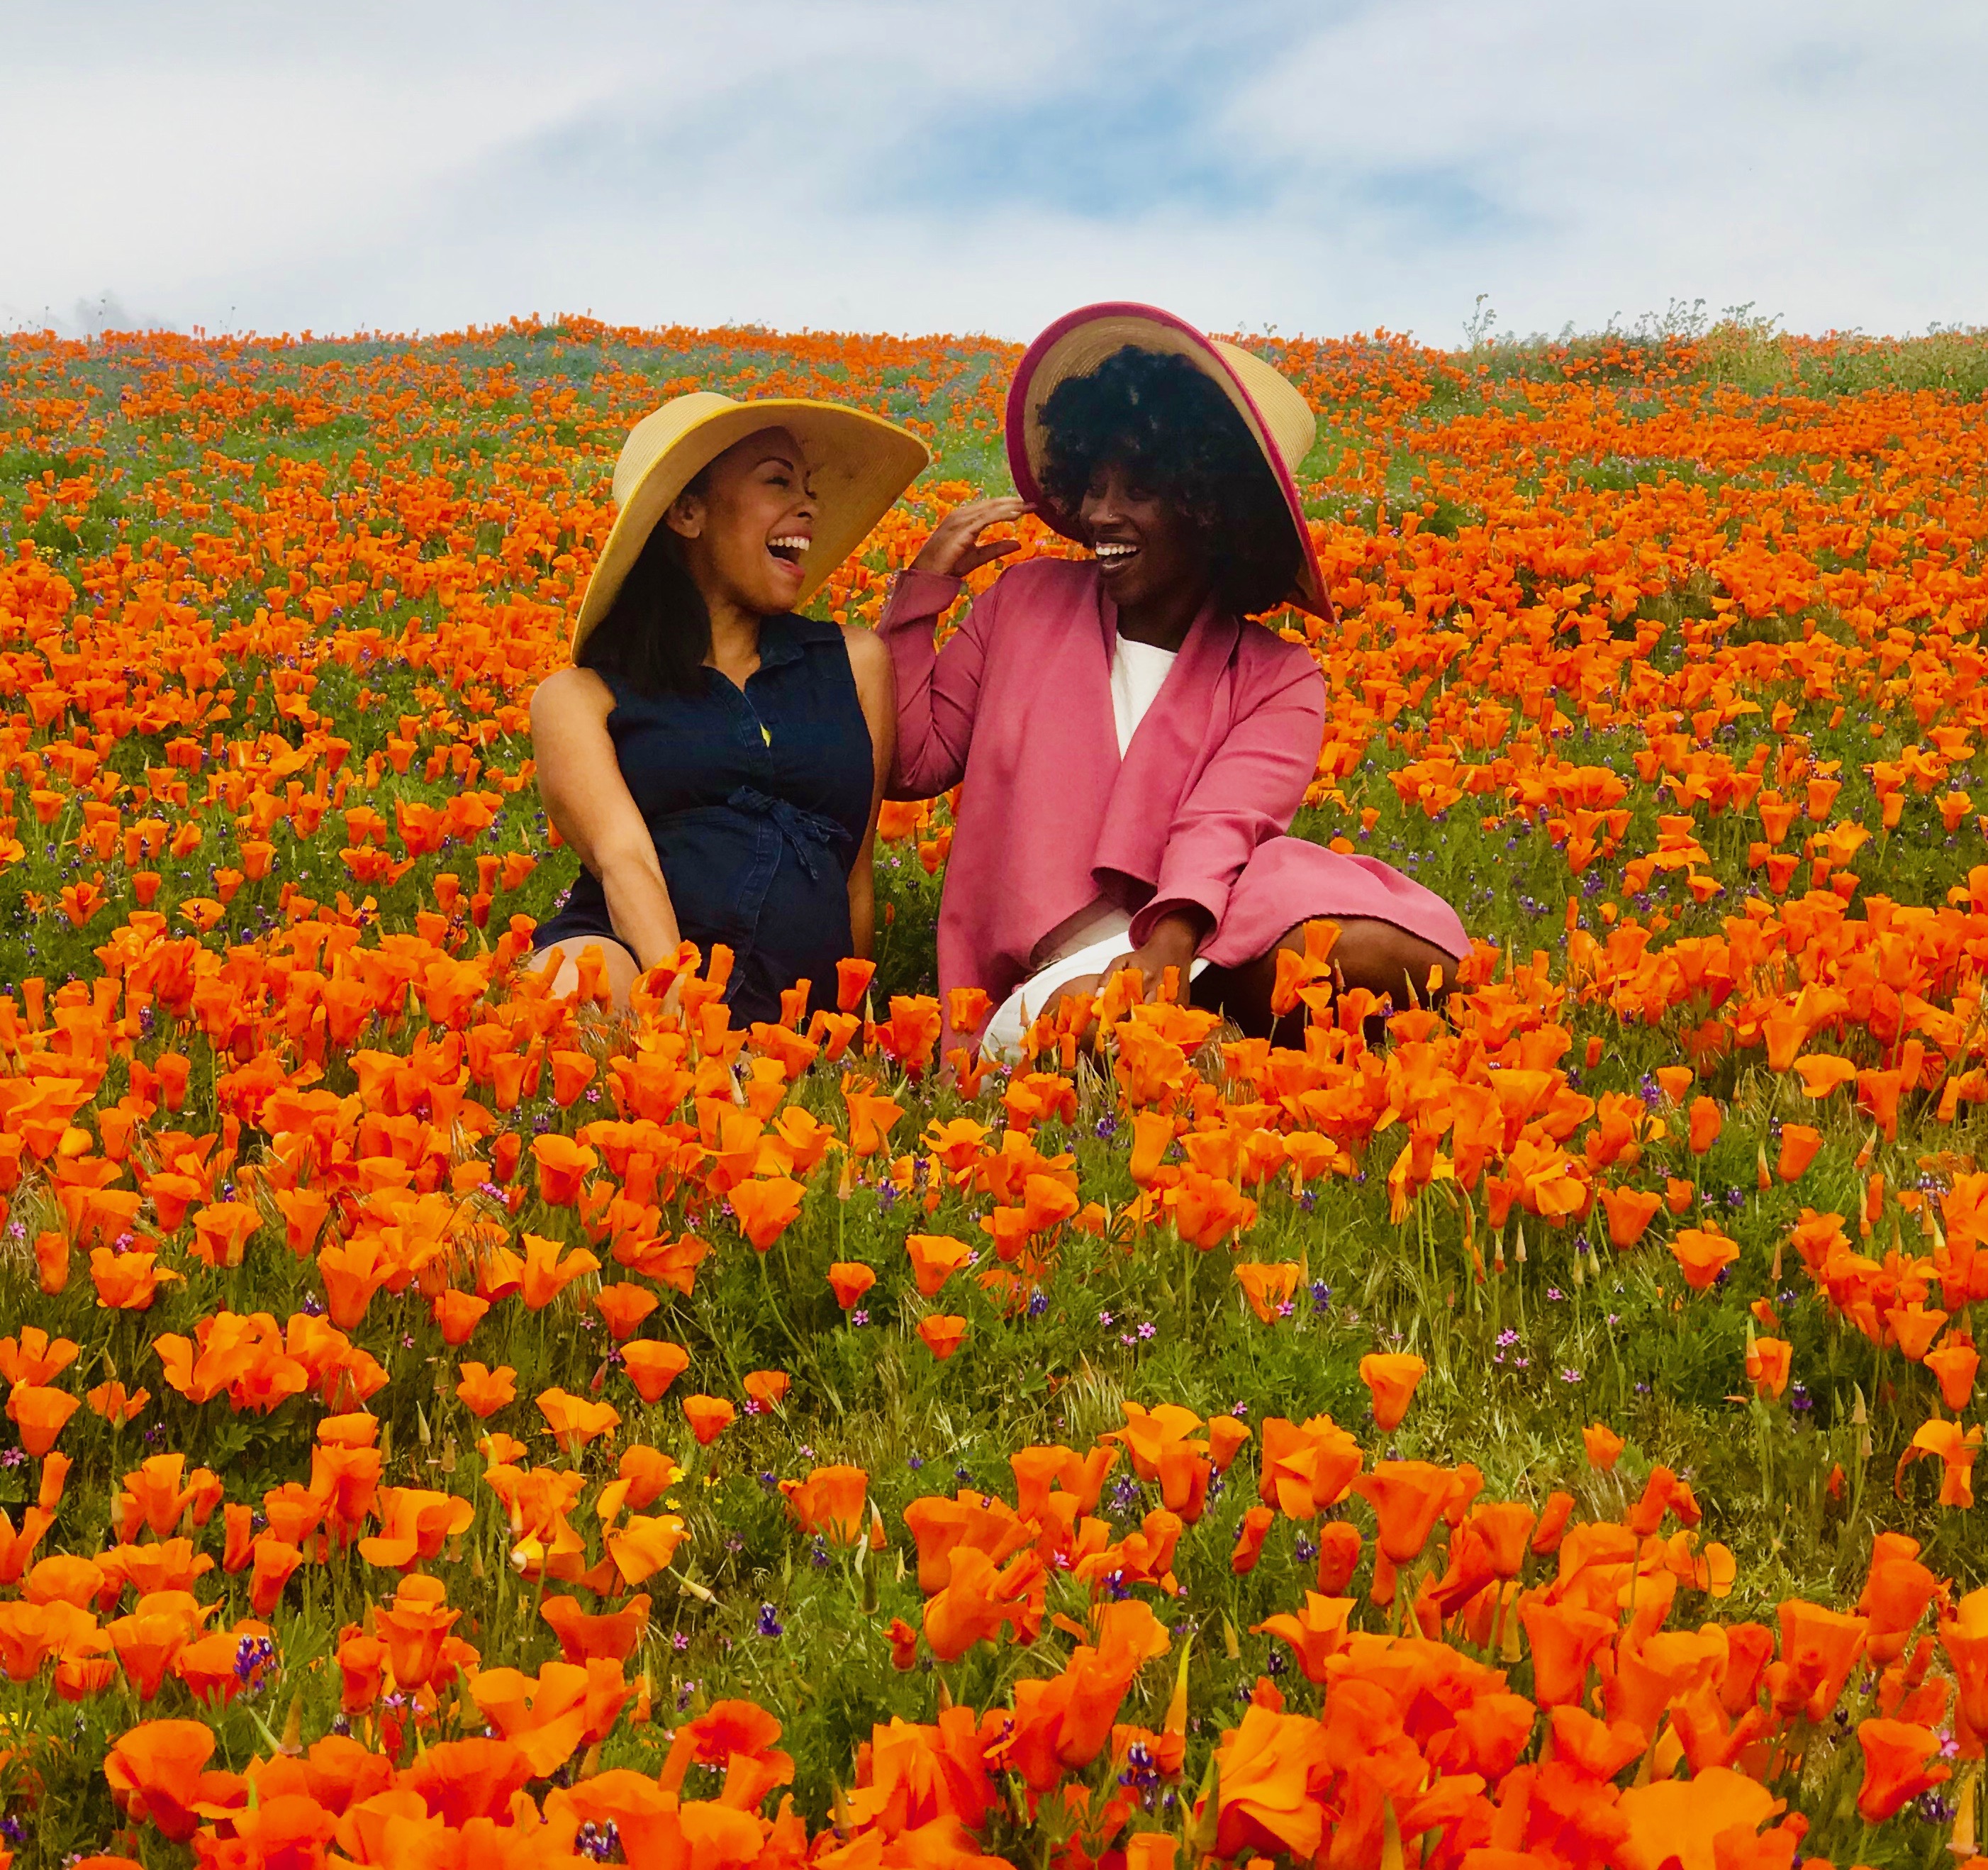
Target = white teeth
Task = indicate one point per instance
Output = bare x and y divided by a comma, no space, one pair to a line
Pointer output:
798,544
1109,551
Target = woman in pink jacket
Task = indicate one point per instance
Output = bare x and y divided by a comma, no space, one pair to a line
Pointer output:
1132,749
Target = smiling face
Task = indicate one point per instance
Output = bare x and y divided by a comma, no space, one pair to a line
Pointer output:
749,525
1148,551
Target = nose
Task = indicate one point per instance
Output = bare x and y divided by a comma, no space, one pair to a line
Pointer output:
1100,506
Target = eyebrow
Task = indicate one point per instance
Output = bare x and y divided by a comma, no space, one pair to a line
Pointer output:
785,461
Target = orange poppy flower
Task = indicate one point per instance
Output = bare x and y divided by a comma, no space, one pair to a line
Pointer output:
1268,1287
612,1635
483,1391
463,1781
850,1279
1338,1557
545,1274
1317,1633
669,1263
1953,1366
39,1412
154,1771
941,1333
274,1563
562,1164
305,1212
221,1231
1265,1766
1564,1639
32,1356
127,1281
353,1273
1674,1081
572,1072
1954,1448
1799,1144
1602,1445
1227,1438
871,1119
147,1644
1408,1497
1819,1649
457,1315
1249,1538
647,1472
652,1366
52,1261
1630,1212
830,1501
852,982
765,1210
623,1307
1307,1467
117,1403
1702,1255
642,1547
414,1628
977,1599
1391,1377
1699,1821
1902,1760
1769,1364
575,1421
708,1417
1822,1072
934,1259
1913,1328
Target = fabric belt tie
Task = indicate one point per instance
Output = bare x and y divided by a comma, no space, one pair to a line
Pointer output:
806,832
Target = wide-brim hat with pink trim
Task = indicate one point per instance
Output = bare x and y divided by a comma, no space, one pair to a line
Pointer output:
1278,419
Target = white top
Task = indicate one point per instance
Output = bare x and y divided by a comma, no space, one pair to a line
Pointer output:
1137,671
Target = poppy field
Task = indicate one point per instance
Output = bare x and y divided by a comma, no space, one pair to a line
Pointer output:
449,1426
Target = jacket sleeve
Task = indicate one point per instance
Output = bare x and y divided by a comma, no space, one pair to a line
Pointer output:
938,690
1248,793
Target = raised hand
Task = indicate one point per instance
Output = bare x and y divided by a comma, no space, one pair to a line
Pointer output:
954,549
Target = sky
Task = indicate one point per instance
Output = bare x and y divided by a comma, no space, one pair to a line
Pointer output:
1320,168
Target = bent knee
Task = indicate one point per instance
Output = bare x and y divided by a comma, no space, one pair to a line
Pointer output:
596,957
1386,959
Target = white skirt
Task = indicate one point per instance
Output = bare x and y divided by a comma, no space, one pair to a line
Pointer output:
1002,1042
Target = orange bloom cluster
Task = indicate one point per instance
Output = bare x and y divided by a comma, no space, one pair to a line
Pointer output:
278,1112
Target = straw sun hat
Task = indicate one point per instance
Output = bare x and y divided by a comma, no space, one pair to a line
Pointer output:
857,464
1278,419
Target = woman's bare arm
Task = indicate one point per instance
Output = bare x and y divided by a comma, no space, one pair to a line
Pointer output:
876,690
589,802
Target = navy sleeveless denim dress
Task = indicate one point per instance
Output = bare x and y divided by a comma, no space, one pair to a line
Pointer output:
758,799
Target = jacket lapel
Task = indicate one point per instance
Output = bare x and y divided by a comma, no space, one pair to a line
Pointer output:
1069,704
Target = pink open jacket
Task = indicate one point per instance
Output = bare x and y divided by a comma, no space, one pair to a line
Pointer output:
1018,707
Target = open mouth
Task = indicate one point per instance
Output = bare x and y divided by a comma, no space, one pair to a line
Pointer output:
1112,553
790,548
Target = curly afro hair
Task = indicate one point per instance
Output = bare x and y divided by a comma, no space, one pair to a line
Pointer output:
1168,426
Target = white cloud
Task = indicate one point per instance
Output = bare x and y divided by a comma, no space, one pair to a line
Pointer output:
881,164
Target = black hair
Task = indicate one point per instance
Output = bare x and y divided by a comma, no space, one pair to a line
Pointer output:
657,631
1169,426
